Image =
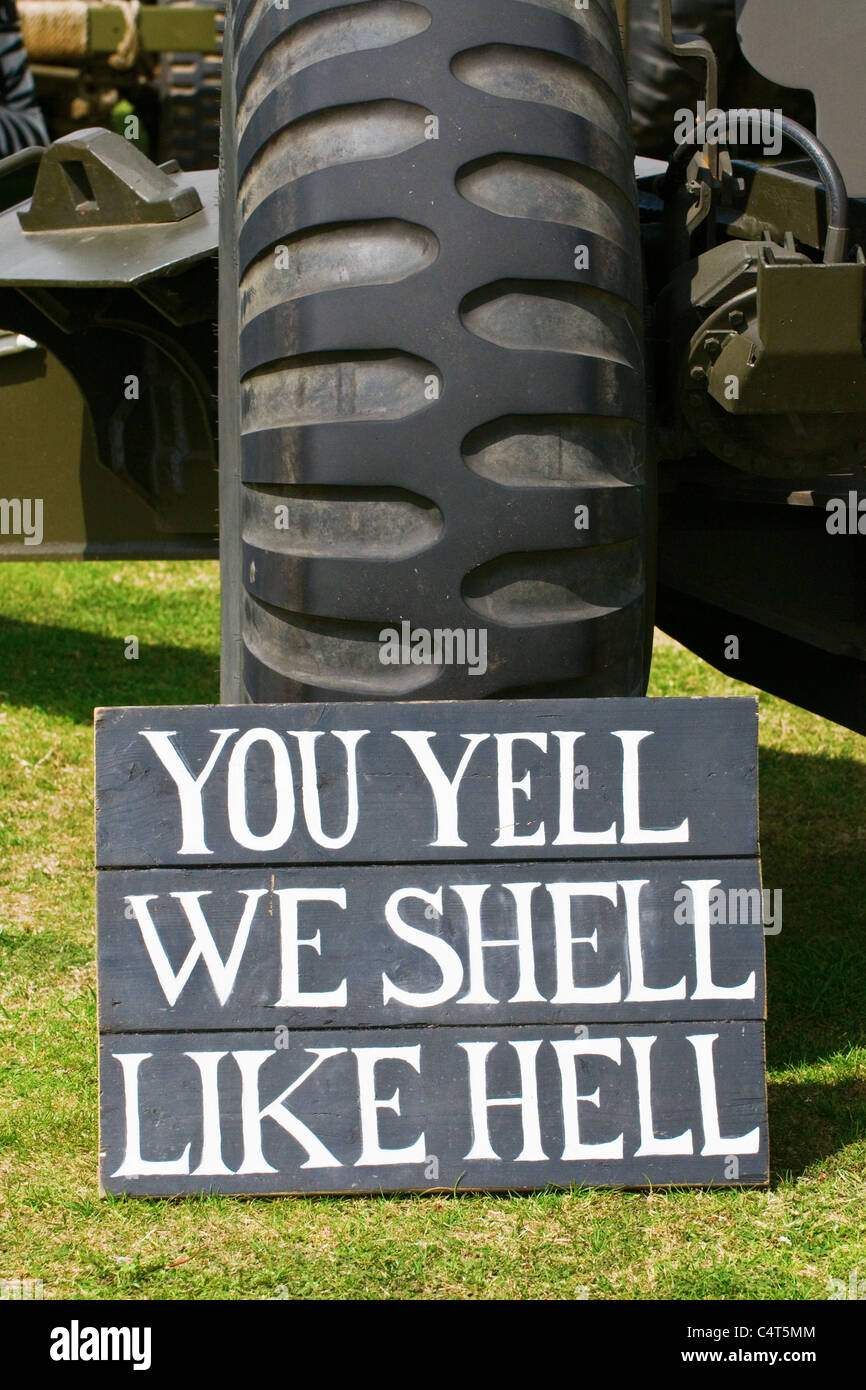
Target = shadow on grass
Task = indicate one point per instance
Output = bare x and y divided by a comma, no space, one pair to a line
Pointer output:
810,1121
68,672
813,843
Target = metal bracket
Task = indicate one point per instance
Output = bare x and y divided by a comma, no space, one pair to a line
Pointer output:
695,48
133,220
95,178
803,352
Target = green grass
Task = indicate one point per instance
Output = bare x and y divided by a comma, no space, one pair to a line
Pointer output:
62,638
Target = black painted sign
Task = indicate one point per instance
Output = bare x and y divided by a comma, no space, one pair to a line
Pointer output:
390,946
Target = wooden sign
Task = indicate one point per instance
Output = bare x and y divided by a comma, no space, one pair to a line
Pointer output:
365,947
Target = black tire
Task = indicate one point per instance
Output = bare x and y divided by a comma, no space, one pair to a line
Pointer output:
418,265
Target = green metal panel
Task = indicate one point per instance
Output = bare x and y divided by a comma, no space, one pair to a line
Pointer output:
819,46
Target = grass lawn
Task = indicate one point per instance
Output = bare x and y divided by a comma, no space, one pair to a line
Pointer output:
63,631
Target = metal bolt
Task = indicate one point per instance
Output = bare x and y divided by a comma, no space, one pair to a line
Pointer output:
736,318
698,375
712,347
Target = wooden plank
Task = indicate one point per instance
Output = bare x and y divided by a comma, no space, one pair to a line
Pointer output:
403,945
686,1108
640,779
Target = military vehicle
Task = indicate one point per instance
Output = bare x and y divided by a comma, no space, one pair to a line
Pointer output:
479,370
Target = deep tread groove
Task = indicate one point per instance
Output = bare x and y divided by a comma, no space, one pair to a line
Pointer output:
546,316
338,135
335,258
327,654
547,190
566,451
327,388
358,28
349,523
531,75
597,20
555,586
